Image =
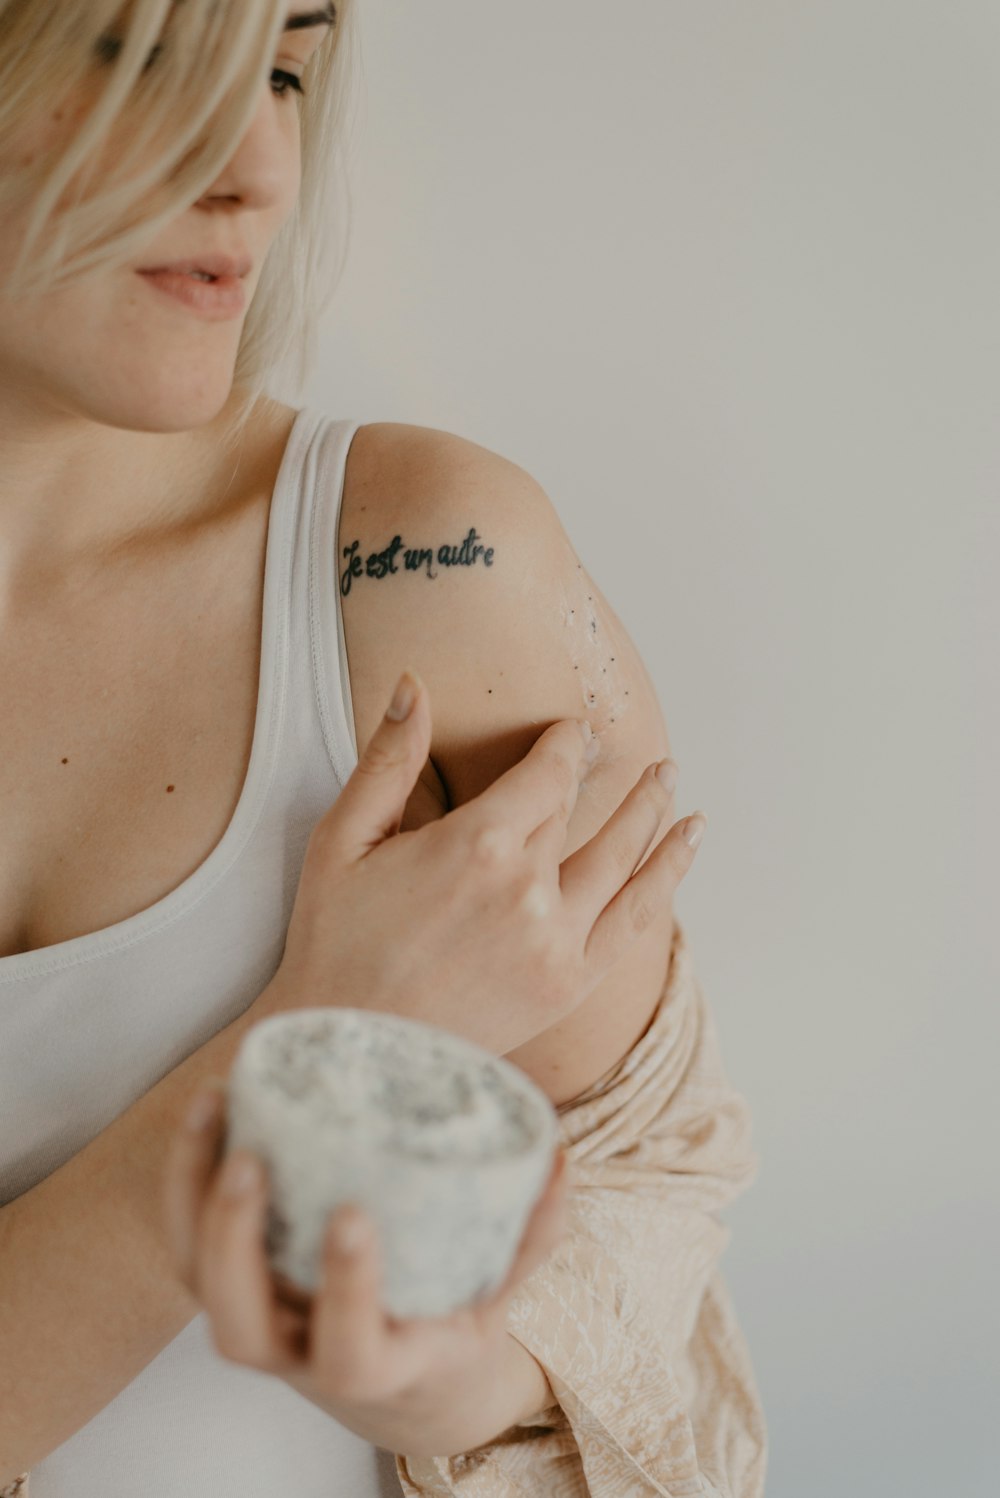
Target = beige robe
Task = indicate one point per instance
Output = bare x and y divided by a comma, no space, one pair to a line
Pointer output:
630,1316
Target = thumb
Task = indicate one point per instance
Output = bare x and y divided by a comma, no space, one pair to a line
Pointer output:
370,807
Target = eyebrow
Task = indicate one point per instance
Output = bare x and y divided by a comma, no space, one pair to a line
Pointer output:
326,17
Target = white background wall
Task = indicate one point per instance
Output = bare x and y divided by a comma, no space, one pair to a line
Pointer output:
723,278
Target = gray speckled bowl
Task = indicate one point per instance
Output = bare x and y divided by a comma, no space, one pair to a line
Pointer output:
445,1146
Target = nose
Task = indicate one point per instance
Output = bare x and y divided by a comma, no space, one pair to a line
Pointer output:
263,172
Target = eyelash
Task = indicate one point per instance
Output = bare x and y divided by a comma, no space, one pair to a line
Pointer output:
108,48
291,82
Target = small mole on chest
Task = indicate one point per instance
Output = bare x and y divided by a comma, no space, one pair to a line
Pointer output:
169,788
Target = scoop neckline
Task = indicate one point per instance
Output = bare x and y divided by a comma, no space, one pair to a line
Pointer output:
270,706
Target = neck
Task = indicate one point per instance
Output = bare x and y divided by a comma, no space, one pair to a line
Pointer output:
74,490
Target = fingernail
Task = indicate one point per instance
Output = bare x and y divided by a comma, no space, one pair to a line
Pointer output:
201,1112
239,1175
694,829
403,698
666,774
351,1235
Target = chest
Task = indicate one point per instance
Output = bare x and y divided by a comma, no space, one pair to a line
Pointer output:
131,702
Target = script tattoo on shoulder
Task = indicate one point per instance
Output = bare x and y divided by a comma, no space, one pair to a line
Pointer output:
379,564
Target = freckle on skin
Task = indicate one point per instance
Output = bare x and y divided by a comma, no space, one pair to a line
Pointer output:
169,787
65,761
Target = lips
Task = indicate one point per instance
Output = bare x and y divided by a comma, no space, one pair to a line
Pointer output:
216,266
222,298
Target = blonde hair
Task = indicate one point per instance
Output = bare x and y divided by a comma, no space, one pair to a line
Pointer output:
173,127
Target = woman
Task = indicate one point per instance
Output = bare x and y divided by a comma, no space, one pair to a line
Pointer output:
180,552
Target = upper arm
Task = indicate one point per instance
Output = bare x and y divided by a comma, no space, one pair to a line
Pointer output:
507,643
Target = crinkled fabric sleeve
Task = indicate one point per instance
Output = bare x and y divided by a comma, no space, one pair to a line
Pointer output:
630,1316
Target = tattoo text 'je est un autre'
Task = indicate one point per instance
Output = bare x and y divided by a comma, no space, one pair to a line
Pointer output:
414,559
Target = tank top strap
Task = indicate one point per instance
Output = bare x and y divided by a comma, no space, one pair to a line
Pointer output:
319,721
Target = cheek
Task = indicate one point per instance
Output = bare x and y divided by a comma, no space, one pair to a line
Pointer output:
40,140
55,123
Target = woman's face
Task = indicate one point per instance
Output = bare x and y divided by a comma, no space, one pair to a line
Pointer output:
115,348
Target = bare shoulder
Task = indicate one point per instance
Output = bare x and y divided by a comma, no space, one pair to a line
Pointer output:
443,477
454,561
430,527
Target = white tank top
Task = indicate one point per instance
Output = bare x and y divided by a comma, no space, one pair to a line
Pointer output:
90,1024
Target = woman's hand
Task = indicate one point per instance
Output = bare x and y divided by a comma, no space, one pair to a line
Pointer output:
403,1385
471,922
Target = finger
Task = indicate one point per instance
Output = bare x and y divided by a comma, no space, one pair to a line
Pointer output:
233,1275
542,784
292,1332
289,1293
191,1161
646,893
592,875
371,805
348,1351
548,841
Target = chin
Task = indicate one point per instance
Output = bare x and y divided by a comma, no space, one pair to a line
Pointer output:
161,407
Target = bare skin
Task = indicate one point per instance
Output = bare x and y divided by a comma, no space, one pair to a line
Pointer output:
120,775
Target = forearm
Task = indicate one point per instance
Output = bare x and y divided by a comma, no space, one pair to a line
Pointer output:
88,1292
446,1420
506,1395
